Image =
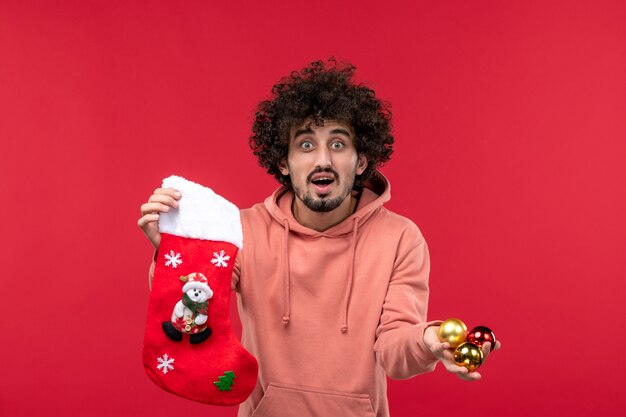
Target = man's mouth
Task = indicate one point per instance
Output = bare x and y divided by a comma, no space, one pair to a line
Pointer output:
323,182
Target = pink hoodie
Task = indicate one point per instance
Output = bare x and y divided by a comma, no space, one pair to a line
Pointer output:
328,314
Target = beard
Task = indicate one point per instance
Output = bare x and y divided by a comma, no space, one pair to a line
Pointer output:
321,204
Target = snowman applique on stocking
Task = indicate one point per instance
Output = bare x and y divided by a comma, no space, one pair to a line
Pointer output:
189,345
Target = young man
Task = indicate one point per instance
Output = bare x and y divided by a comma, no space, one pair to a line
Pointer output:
332,287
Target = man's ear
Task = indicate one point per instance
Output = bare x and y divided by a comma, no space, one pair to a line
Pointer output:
282,167
361,165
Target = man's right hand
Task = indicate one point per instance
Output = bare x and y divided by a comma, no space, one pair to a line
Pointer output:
161,201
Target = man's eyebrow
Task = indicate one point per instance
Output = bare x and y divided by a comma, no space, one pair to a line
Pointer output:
332,132
340,131
302,132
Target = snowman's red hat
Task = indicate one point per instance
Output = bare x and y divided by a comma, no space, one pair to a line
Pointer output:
198,281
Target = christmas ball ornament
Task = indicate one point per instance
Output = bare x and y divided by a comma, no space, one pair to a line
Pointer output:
468,355
479,335
453,331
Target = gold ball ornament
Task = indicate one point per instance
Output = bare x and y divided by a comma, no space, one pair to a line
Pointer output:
468,355
453,331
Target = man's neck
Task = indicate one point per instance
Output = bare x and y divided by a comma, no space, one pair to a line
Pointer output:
322,221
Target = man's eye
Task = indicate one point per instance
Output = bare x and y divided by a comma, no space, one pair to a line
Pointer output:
306,145
337,145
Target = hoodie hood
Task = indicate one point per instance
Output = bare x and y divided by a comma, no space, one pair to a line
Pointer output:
376,191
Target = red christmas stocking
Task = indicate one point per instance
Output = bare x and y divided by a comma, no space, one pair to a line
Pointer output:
189,346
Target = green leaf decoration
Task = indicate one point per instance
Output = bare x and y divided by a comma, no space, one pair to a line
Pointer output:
225,382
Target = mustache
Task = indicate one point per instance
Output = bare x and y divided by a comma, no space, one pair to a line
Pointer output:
320,170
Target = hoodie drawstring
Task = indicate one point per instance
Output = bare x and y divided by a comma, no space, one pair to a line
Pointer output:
286,277
346,299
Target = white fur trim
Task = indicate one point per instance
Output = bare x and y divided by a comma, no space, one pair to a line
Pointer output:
201,214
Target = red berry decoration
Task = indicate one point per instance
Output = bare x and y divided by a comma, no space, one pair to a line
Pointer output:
479,335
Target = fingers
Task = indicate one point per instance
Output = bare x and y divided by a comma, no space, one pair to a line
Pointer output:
449,356
439,349
150,228
164,200
161,201
154,208
486,348
460,371
452,367
170,198
167,191
148,218
470,376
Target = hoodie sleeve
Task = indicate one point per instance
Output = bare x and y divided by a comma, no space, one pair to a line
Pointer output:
399,346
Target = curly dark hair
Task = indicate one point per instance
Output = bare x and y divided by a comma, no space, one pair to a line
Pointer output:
322,91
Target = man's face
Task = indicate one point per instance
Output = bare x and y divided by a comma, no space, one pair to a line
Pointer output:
322,163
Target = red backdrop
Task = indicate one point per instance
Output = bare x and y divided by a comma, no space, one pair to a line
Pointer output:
510,127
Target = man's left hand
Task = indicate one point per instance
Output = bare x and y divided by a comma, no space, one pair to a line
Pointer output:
443,352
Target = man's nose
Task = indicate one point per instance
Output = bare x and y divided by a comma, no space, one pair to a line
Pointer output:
323,157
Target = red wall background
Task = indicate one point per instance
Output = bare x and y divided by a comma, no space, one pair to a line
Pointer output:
510,126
